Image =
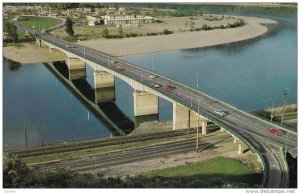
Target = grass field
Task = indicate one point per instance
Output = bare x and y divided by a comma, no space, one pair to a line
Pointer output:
218,165
226,169
39,22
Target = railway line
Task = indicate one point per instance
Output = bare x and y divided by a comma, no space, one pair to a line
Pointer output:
60,148
100,161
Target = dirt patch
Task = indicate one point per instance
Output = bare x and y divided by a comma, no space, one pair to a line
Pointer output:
30,53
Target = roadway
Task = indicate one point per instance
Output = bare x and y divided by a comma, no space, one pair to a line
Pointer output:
238,122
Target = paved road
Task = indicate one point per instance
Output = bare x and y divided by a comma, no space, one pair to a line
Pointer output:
238,122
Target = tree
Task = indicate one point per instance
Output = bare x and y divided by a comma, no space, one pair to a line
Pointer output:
105,33
16,174
47,7
69,27
10,31
120,29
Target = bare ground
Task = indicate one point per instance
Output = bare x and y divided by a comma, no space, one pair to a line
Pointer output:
30,53
180,40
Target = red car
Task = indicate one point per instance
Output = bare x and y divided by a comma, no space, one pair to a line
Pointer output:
154,84
275,131
120,68
169,87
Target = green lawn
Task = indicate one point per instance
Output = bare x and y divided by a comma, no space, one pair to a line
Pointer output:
39,22
219,165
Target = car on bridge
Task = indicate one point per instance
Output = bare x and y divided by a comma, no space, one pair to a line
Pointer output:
154,84
221,113
152,76
275,131
170,88
118,68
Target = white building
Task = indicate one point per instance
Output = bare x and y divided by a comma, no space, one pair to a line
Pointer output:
92,21
127,19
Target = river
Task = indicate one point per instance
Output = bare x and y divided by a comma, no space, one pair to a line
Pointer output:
245,75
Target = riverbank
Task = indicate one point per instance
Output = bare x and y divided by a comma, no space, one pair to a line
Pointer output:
185,40
29,53
26,53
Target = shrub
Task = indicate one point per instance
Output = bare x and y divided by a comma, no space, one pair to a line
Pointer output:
167,32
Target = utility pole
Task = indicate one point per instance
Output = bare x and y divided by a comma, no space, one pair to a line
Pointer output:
287,138
197,138
43,150
84,51
197,80
285,95
25,133
272,108
152,64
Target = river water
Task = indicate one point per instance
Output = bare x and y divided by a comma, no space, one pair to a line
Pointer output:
245,75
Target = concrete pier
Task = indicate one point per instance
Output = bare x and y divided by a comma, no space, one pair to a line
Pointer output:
240,149
77,74
103,79
145,103
105,95
74,63
181,117
204,127
222,129
39,42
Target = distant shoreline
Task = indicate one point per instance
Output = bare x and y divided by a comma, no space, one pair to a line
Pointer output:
188,40
254,28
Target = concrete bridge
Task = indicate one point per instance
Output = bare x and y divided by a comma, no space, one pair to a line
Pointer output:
191,108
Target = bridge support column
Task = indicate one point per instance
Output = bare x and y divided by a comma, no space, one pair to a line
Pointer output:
235,140
145,103
104,84
74,63
39,42
204,127
181,117
222,129
240,149
103,79
76,68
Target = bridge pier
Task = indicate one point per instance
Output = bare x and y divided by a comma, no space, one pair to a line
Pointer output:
240,149
104,84
39,42
222,129
144,103
181,117
77,68
204,127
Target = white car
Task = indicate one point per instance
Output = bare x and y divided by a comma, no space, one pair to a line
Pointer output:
152,76
221,113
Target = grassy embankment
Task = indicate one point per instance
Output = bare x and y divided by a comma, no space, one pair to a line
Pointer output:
229,170
38,22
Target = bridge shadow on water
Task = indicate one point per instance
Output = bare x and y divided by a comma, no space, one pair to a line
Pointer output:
107,112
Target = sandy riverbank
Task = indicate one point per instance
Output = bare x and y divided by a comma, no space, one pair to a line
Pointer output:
30,53
183,40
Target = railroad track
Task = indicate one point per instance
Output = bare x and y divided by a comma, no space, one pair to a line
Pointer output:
100,161
102,143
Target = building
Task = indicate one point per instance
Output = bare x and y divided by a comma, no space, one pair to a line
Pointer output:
92,21
127,19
